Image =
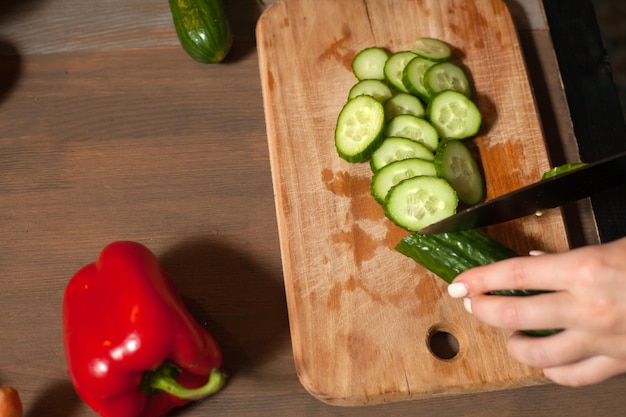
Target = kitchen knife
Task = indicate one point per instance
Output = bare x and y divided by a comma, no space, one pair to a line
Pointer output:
553,192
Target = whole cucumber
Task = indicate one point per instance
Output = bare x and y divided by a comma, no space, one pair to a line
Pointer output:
449,254
203,29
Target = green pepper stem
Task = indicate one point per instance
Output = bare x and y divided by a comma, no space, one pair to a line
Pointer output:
164,379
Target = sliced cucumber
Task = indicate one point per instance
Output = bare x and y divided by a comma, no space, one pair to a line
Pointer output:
396,149
420,201
454,115
375,88
394,67
369,64
446,76
561,169
404,103
432,49
413,77
397,171
455,162
415,128
359,128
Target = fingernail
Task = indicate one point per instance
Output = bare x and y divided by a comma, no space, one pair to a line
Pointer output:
536,252
457,290
468,304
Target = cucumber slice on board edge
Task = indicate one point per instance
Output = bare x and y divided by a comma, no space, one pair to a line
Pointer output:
369,64
359,128
413,77
446,76
413,127
456,163
397,171
420,201
454,115
404,103
394,68
432,49
375,88
396,149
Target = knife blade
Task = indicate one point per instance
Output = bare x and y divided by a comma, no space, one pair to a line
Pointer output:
570,186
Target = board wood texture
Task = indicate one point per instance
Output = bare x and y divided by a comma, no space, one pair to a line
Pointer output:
361,314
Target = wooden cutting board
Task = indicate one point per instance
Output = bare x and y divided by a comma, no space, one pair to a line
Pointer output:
361,314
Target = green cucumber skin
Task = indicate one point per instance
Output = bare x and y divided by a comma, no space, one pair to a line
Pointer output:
562,169
449,254
440,102
409,167
470,187
203,29
352,155
436,200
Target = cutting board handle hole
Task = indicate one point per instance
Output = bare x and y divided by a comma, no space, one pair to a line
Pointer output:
442,343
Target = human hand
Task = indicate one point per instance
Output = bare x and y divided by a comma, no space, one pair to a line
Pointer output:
10,402
587,300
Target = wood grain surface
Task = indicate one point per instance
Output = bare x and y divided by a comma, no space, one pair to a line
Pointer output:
108,130
361,314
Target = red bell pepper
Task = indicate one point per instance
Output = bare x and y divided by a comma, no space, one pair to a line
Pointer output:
131,346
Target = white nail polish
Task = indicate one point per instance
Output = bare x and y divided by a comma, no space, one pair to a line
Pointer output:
468,304
457,290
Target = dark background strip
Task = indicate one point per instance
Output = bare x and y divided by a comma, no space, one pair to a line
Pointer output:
593,101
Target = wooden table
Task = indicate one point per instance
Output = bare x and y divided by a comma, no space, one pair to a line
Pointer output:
109,131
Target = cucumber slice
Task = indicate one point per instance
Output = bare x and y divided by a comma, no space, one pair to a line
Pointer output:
420,201
375,88
454,115
404,103
415,128
561,169
369,64
397,171
359,128
394,67
396,149
413,77
446,76
432,49
455,162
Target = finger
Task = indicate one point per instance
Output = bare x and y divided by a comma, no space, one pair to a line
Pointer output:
560,349
549,272
541,311
587,372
